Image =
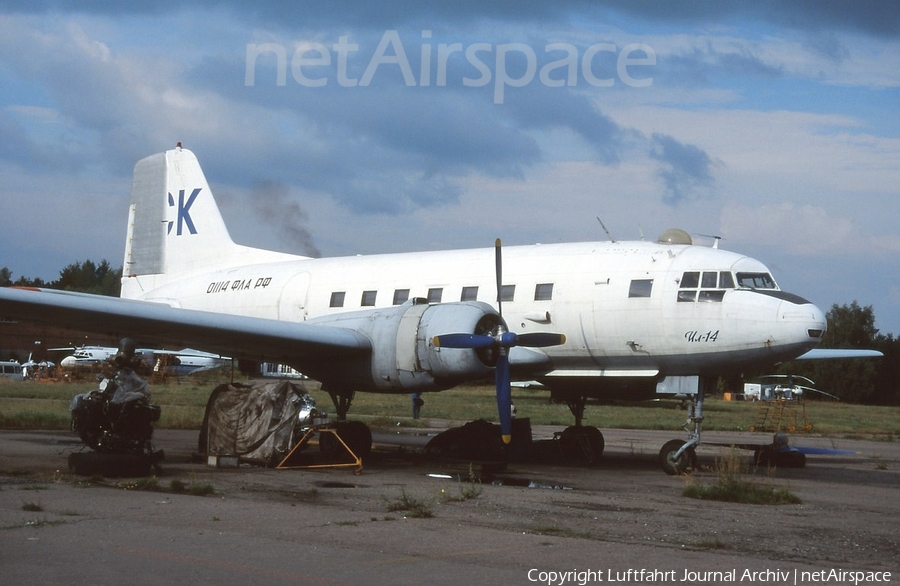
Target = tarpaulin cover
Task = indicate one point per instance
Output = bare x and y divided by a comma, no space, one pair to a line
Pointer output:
253,422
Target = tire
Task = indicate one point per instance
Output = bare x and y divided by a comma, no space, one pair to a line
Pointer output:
582,444
685,464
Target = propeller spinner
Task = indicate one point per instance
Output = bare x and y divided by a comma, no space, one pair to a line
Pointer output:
502,340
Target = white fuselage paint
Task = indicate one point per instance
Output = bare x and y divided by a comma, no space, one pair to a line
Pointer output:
608,332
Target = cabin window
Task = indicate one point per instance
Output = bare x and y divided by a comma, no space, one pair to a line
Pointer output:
368,298
507,292
435,294
337,299
543,292
640,288
400,296
469,294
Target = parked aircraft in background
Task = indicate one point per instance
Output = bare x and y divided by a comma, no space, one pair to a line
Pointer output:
173,362
593,319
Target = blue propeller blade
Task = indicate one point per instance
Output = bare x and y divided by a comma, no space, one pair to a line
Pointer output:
540,339
504,341
463,341
498,271
504,397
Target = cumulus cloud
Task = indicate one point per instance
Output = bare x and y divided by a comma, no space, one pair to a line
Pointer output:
804,230
89,88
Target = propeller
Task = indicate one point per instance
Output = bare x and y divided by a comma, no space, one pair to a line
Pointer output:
502,340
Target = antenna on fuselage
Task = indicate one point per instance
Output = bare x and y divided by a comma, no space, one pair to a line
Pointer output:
715,239
608,235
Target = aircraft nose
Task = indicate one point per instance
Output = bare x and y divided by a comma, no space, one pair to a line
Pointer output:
807,318
819,323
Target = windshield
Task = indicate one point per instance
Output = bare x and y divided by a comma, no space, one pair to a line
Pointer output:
755,281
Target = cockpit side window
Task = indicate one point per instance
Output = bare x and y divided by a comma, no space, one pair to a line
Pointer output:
755,281
705,286
690,280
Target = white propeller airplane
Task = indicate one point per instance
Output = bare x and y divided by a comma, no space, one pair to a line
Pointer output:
640,319
177,363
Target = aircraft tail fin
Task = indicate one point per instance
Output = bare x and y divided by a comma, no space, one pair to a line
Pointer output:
175,228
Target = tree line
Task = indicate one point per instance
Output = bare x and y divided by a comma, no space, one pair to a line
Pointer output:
874,381
83,277
860,380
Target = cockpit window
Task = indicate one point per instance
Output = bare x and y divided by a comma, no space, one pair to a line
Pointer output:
708,296
690,280
705,286
755,281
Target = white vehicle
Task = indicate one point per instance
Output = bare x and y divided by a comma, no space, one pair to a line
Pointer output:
11,369
610,319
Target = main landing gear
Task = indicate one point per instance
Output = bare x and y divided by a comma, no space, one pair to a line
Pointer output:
355,434
580,443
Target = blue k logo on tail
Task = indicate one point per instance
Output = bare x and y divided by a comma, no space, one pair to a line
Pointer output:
184,212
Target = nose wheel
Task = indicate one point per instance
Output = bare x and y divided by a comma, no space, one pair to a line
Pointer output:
675,459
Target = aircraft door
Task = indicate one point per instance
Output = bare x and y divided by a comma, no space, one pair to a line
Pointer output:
292,301
599,326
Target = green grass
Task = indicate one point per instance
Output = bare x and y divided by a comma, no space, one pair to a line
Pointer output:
413,507
732,486
30,405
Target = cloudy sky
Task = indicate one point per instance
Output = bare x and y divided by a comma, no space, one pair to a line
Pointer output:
335,128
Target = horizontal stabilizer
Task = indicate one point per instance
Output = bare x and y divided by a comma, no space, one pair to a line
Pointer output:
835,353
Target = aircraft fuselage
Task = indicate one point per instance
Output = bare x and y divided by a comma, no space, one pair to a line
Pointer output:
629,309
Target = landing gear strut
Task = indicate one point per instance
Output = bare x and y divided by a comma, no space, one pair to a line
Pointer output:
341,402
676,456
355,434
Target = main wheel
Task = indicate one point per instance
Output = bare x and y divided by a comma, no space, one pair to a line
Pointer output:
582,443
683,464
355,434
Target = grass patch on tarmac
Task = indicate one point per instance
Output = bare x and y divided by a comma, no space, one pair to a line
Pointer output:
731,486
413,507
151,484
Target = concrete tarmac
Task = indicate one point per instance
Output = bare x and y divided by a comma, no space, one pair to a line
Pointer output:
513,526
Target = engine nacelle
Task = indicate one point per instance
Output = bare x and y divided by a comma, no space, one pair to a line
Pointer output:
403,358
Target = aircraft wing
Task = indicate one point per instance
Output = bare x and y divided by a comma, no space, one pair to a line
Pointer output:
301,345
835,353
